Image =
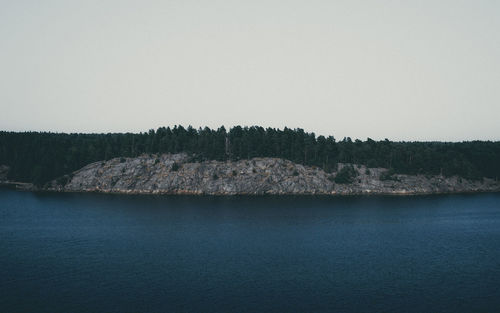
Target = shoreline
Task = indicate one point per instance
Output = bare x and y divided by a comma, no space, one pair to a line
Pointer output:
15,186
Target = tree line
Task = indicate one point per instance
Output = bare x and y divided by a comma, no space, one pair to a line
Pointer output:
42,156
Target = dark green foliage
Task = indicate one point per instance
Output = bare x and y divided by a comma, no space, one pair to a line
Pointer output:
331,178
122,160
387,175
368,172
214,176
234,173
63,180
40,157
295,173
330,168
346,175
175,167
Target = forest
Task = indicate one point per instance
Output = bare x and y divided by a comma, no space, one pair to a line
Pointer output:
39,157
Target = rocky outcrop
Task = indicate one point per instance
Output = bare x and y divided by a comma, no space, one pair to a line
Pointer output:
177,174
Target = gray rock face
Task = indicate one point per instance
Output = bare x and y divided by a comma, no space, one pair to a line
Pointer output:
176,174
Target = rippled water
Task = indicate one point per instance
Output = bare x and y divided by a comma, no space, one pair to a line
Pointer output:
109,253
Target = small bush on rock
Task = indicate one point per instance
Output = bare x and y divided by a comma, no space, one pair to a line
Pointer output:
346,175
387,175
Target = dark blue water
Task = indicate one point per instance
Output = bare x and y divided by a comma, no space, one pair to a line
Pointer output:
109,253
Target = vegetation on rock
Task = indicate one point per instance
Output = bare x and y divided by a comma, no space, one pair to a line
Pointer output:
40,156
387,175
346,175
256,176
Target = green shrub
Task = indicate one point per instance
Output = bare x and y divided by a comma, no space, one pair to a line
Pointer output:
346,175
330,168
371,163
63,180
175,167
387,175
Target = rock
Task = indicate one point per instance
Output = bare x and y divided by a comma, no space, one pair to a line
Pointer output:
176,174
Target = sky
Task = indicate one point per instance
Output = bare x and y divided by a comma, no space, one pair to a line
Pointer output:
403,70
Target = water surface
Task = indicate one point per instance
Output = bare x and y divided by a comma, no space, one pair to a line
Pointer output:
117,253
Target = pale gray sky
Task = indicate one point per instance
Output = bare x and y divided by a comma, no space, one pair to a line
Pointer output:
405,70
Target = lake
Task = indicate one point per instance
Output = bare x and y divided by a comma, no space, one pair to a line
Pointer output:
120,253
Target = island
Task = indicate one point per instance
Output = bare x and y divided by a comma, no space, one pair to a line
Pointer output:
243,161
